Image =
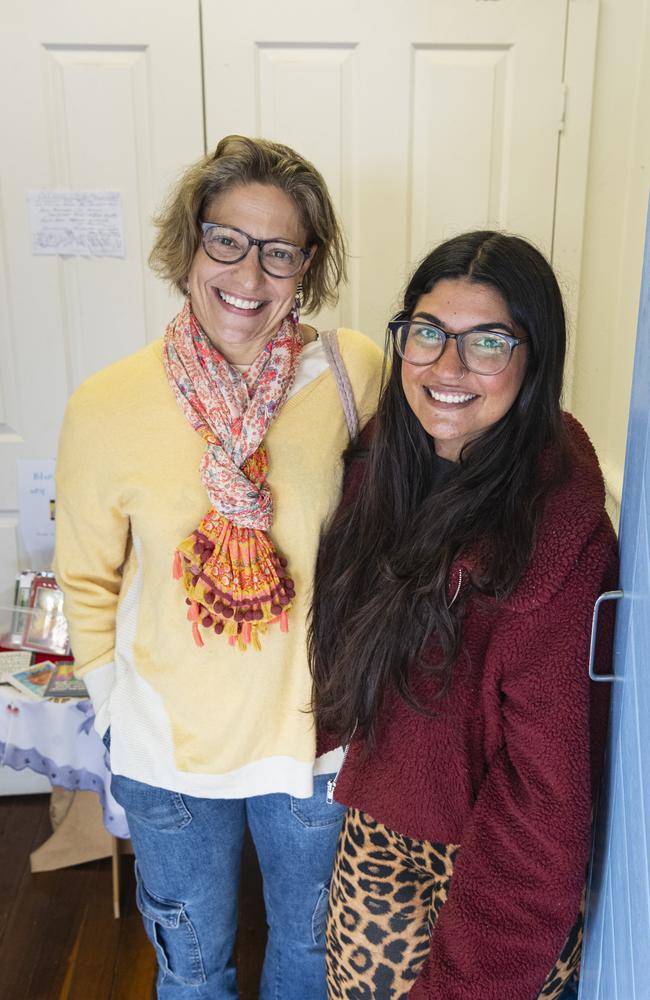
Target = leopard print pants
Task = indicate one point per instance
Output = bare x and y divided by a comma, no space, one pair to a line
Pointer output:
386,893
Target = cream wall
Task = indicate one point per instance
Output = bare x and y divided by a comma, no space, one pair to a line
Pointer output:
617,198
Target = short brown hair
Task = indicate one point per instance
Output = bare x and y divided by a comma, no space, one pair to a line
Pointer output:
237,160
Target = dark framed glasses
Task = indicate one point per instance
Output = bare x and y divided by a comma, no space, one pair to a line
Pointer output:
481,350
229,245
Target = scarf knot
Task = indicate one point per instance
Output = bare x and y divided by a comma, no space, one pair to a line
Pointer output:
240,494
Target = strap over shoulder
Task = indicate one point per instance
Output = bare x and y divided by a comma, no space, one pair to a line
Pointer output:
332,350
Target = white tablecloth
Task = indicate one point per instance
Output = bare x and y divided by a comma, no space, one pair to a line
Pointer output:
57,739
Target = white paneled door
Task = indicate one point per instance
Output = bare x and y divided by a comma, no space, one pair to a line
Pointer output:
426,117
95,97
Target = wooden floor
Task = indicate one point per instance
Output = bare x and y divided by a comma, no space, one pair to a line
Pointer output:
58,937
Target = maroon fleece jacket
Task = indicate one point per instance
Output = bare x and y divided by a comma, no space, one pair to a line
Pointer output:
507,766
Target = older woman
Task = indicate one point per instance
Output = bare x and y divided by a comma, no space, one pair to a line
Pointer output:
451,630
193,478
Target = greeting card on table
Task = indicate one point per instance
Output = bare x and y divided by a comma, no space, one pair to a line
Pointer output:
32,680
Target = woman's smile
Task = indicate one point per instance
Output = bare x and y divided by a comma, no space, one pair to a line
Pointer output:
238,303
450,398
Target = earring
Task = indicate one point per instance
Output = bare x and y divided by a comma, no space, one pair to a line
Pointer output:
297,305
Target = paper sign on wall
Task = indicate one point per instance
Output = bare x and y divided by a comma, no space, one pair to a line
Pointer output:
36,510
77,223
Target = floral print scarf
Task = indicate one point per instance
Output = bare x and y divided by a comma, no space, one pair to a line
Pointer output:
235,582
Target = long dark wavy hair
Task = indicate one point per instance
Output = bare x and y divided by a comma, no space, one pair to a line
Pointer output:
380,591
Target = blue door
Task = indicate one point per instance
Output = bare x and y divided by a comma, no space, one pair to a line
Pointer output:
616,954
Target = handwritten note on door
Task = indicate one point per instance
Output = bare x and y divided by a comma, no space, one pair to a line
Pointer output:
77,223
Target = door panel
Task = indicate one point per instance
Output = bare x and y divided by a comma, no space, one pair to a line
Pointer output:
425,117
616,961
110,98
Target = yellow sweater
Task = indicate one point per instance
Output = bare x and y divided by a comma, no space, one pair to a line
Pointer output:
211,721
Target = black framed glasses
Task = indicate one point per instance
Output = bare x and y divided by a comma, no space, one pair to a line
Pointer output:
482,350
229,245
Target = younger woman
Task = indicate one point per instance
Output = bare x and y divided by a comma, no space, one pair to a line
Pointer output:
450,638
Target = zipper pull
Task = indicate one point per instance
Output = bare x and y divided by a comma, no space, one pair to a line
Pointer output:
331,784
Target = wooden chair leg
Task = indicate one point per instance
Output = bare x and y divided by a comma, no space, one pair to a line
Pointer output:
115,871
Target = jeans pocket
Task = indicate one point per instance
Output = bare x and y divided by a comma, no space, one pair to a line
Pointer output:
154,807
172,934
317,811
319,916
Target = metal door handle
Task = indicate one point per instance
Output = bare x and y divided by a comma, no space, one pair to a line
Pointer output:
609,595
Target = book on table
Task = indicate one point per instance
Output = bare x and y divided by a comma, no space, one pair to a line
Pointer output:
64,684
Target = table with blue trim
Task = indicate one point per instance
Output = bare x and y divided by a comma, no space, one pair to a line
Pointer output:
57,739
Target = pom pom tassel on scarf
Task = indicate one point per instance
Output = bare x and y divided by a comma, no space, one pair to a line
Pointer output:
236,584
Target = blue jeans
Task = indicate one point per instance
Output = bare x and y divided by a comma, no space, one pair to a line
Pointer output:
188,853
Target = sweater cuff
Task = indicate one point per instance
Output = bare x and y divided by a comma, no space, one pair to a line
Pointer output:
100,684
